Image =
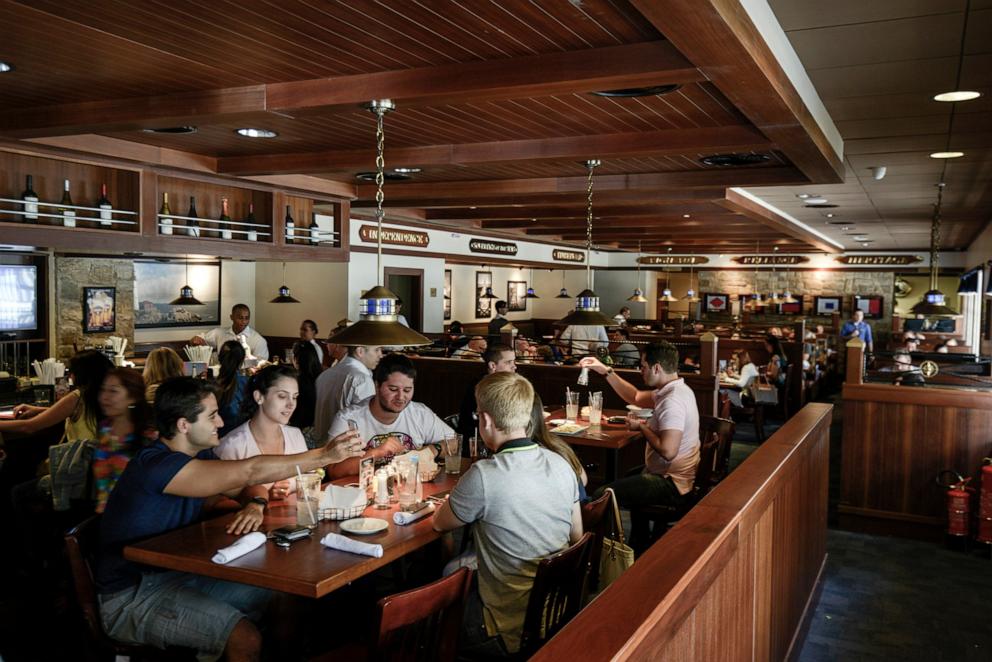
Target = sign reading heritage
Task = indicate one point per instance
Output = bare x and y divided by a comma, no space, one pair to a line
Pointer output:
673,259
879,260
770,260
568,256
492,247
393,236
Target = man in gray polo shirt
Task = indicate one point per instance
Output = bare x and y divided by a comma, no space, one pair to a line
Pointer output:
525,506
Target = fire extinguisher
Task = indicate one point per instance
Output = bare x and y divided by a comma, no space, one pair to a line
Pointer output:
958,497
985,504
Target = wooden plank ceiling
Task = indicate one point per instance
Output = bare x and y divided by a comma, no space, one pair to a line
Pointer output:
494,98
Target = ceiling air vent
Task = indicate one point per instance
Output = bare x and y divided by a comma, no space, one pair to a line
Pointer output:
627,92
734,159
389,176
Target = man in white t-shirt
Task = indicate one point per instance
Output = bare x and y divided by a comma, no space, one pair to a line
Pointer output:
581,339
671,454
389,422
240,316
345,385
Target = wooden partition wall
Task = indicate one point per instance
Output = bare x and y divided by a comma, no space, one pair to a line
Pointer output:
735,577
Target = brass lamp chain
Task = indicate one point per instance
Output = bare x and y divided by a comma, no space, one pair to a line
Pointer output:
935,236
591,165
380,178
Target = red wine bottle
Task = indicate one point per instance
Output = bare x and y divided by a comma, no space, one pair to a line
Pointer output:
192,224
30,199
250,218
106,213
290,227
225,220
68,213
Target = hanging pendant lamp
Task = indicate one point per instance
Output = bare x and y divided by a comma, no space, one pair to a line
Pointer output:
563,294
638,295
186,297
666,294
284,295
586,311
690,294
755,300
377,324
932,304
531,294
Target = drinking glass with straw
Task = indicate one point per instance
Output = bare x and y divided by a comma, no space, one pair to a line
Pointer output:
305,487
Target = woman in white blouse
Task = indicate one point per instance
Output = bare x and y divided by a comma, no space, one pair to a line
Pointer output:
269,403
748,370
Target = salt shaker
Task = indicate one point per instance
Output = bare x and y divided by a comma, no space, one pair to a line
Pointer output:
583,377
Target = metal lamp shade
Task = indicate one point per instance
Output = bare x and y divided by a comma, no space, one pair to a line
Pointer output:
666,296
377,325
788,298
691,297
531,294
186,298
637,296
774,299
563,294
586,312
284,296
932,305
489,294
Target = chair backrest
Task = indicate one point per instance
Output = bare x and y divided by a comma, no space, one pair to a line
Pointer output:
597,519
81,543
556,595
723,429
423,623
704,471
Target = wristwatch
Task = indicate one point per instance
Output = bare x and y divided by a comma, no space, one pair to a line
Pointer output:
262,501
609,371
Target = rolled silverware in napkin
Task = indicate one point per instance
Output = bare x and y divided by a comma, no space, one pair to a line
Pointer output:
241,546
401,517
344,544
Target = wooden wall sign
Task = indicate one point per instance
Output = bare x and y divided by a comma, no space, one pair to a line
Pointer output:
369,233
568,256
673,259
770,260
492,247
879,260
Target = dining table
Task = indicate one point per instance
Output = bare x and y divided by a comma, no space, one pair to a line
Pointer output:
306,567
613,438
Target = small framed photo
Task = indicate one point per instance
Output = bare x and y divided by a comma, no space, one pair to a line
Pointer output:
99,314
872,305
483,307
447,294
716,303
826,305
516,295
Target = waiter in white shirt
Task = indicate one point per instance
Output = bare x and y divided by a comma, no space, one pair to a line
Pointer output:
240,316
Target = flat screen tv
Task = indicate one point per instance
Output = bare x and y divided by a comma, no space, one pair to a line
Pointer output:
18,297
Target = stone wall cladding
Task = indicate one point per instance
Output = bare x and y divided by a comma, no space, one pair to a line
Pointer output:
72,274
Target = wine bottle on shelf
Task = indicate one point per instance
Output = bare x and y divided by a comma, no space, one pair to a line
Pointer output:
192,224
314,229
225,220
165,216
250,218
68,214
290,227
30,199
106,209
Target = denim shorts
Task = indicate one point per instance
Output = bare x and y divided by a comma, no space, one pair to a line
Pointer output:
180,609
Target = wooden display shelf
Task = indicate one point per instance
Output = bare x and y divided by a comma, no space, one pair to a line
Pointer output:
317,223
209,198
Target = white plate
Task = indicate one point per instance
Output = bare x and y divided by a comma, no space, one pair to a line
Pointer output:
639,411
364,526
557,421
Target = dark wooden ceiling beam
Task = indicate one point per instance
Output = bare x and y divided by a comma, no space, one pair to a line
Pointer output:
611,145
589,70
719,37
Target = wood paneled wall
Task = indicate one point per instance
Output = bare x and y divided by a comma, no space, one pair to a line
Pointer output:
898,438
735,577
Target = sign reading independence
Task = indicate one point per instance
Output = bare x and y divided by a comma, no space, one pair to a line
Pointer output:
770,260
492,247
879,260
673,259
568,256
370,234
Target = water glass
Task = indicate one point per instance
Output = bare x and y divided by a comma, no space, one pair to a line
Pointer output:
406,482
595,408
307,499
473,447
453,454
572,405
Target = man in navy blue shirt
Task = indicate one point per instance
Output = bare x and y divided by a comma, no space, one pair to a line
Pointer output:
857,327
163,488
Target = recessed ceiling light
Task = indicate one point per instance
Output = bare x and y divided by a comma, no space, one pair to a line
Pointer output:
686,215
5,67
473,207
802,196
256,133
946,155
815,200
172,129
961,95
406,171
865,243
829,215
650,91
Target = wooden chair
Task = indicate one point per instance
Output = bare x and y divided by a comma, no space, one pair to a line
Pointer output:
597,519
81,543
724,429
556,596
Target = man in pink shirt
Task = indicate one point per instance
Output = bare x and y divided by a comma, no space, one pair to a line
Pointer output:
671,453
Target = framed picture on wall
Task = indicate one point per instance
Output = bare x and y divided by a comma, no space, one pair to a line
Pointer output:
826,305
516,295
99,314
158,283
447,294
872,305
483,307
792,308
716,303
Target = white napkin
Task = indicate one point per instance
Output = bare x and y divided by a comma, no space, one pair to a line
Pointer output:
401,517
241,546
337,496
344,544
